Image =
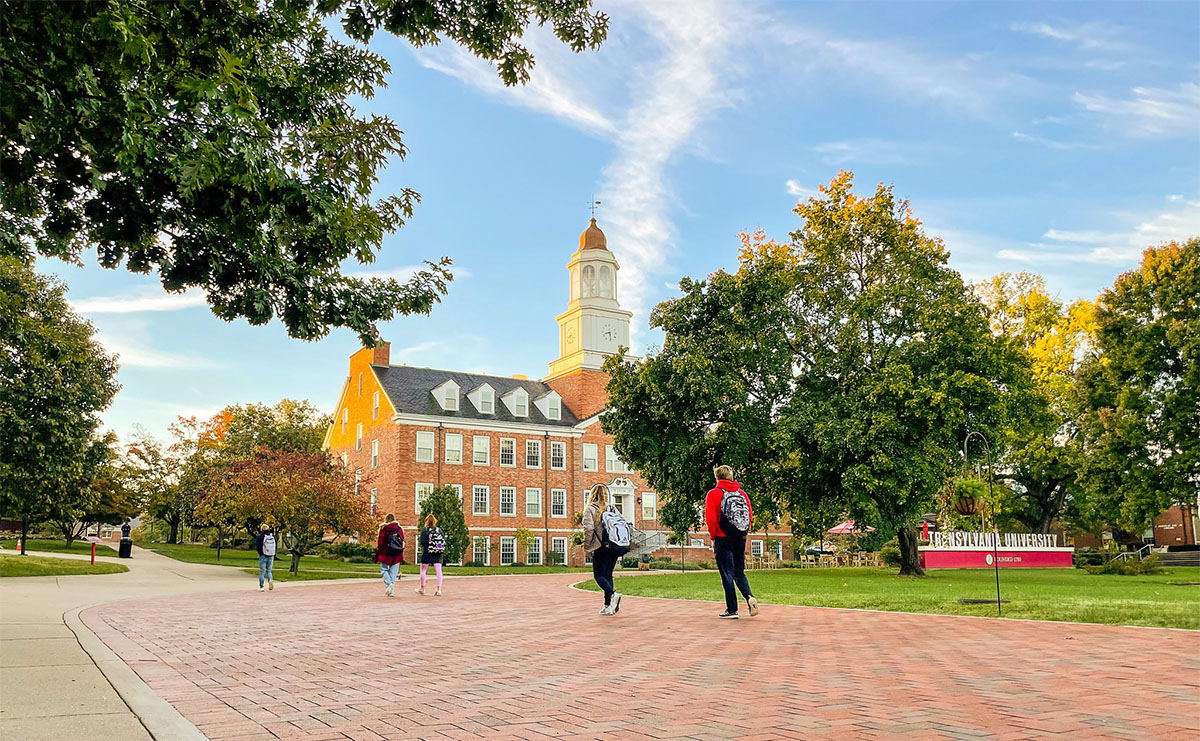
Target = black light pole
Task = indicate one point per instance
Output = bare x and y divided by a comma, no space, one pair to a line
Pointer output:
995,543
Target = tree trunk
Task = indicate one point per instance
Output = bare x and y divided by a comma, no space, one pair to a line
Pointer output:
218,542
173,536
910,557
295,567
24,534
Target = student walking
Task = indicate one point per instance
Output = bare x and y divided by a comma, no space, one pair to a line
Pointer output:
389,553
266,547
433,548
728,516
606,538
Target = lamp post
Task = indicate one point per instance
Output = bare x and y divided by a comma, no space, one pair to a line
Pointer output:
995,542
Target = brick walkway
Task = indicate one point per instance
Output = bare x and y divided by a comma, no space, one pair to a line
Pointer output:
525,657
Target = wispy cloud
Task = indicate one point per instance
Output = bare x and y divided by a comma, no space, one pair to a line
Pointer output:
1092,36
143,299
796,189
676,93
1151,113
131,340
867,152
1052,143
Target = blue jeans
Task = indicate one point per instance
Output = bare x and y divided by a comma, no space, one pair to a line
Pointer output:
265,569
389,573
731,562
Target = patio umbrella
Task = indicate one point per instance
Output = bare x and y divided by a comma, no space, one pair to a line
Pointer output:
847,528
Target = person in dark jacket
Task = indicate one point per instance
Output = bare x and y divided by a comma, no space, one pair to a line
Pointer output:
390,558
434,556
728,548
266,546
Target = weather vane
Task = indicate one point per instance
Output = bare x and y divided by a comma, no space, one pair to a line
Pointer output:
592,206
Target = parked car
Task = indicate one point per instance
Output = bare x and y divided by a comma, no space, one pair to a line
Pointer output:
821,550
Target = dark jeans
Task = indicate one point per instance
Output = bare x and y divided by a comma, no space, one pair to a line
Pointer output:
603,563
731,562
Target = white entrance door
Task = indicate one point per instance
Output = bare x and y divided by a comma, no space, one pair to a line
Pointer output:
624,498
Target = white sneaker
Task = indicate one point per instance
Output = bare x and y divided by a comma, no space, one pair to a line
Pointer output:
391,590
753,606
606,610
270,585
616,603
262,589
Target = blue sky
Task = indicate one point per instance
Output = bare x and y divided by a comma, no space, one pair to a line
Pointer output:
1057,138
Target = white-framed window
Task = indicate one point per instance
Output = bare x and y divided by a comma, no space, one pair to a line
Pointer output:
374,500
345,419
357,479
481,497
533,553
508,452
555,408
481,549
450,398
453,448
374,454
481,450
696,543
423,490
558,502
508,501
375,406
558,455
591,452
559,546
360,384
533,502
533,453
344,460
649,505
613,464
508,550
756,548
779,549
358,437
424,447
457,488
487,402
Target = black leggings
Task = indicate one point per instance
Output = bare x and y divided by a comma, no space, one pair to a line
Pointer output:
603,563
731,562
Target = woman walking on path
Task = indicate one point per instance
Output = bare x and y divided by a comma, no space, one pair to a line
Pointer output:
389,553
433,547
266,546
604,556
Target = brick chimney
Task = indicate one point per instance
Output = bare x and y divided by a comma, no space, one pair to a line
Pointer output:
382,354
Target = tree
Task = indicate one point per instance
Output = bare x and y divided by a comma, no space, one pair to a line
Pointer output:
1142,392
154,475
56,380
100,496
218,144
444,504
524,537
288,426
1042,452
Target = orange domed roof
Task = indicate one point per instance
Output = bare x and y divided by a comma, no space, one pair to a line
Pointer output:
592,238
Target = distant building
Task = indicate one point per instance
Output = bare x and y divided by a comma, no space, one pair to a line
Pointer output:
521,452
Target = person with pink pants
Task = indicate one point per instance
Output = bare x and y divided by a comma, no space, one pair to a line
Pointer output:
433,548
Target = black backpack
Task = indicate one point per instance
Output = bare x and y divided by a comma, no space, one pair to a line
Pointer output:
394,544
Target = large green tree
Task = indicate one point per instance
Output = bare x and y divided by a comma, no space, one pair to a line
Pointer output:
1142,428
446,505
218,145
55,380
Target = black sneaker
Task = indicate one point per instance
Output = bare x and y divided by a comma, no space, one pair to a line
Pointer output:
616,604
728,615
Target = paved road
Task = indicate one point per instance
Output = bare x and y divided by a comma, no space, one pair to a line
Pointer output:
527,657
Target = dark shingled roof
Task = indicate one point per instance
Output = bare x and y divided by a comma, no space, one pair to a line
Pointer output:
411,392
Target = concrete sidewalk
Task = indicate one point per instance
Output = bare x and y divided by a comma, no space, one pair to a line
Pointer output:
57,680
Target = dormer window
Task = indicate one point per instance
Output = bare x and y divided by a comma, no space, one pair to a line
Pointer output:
521,406
483,397
446,396
517,402
550,405
555,411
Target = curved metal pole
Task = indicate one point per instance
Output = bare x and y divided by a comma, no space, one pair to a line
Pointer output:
996,541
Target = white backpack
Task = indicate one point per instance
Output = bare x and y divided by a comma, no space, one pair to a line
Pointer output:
616,530
268,545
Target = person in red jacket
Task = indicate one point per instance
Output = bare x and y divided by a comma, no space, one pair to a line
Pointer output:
388,556
729,548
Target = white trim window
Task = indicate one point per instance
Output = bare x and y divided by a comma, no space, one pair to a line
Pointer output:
374,500
423,491
375,406
533,552
695,543
487,401
458,489
533,453
508,452
360,384
558,502
374,454
424,447
481,549
358,437
357,480
558,455
533,502
454,448
554,405
450,398
613,464
481,497
481,450
345,459
756,548
508,550
649,505
591,454
508,501
345,419
559,546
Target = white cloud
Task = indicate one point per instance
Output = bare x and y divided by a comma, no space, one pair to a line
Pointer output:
866,151
1052,143
796,189
144,299
672,98
1151,113
1091,36
131,343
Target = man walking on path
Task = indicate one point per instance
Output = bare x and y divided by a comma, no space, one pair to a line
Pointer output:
728,516
265,545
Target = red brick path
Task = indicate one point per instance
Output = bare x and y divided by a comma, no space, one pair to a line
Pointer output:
525,657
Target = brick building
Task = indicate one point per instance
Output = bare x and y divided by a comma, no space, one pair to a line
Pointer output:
521,452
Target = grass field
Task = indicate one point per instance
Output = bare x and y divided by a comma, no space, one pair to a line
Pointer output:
1038,594
57,546
46,566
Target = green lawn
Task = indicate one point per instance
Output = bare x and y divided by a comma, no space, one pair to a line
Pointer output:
57,546
1038,594
46,566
